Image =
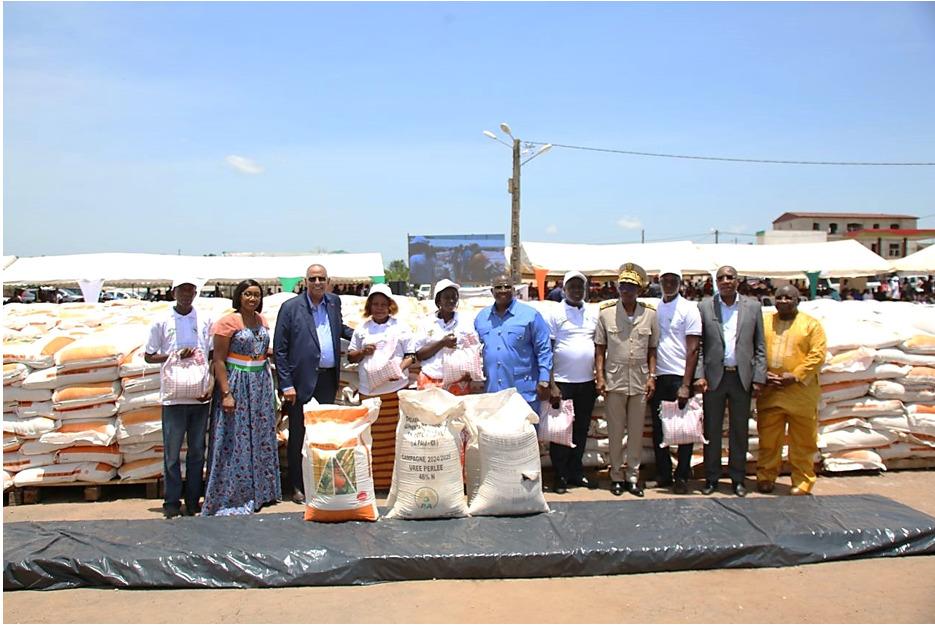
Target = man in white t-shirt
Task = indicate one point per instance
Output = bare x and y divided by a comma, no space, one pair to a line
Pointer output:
676,358
186,332
571,328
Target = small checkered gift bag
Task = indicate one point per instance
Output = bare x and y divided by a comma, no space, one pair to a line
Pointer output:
682,426
466,359
555,424
383,366
185,378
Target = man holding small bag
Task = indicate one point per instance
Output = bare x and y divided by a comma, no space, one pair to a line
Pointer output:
571,328
183,338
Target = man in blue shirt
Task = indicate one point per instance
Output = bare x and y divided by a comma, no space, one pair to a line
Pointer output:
517,347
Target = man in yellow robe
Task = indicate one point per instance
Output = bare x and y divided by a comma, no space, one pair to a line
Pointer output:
795,352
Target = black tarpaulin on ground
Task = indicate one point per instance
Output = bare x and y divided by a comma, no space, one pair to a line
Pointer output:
576,538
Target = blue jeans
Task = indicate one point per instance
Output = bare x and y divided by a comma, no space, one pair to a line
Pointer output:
179,421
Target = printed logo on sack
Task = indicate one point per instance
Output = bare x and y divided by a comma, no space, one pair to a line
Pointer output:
426,498
362,496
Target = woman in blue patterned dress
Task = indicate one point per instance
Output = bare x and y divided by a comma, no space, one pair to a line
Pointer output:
243,461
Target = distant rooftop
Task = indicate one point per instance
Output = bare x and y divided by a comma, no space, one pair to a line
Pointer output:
788,216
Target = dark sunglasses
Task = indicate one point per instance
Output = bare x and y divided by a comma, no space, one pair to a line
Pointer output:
726,277
316,279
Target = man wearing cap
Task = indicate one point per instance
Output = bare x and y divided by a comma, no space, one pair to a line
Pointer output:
443,332
571,328
732,370
517,351
186,332
676,358
625,355
307,347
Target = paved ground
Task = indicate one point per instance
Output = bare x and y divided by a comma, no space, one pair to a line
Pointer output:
878,590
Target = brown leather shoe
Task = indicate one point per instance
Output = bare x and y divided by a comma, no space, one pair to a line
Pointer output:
764,487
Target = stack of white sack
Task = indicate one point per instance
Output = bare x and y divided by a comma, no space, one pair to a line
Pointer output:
67,368
878,384
85,387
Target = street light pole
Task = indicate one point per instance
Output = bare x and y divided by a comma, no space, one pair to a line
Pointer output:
514,187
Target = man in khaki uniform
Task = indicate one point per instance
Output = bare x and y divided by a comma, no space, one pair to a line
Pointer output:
625,362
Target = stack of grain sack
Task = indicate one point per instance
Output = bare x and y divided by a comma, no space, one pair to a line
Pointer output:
878,385
79,402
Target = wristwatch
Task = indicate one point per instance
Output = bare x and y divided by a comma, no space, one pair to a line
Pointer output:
652,375
227,394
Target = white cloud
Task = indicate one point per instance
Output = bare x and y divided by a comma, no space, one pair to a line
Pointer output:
244,165
551,229
629,223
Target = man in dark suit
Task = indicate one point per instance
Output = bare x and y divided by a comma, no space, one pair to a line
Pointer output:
732,370
307,346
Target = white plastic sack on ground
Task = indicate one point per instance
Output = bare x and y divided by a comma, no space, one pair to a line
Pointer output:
105,348
336,462
134,364
511,474
919,377
98,472
427,473
138,384
506,407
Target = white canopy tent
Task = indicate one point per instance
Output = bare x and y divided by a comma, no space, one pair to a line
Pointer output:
832,259
922,261
129,269
605,259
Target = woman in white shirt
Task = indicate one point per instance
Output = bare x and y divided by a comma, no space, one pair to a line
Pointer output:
442,333
383,347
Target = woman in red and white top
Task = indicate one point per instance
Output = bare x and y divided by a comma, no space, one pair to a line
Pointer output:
440,335
383,347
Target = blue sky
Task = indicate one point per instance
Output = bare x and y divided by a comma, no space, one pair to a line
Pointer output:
209,127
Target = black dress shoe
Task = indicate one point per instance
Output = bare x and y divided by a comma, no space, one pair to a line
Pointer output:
740,490
709,488
634,489
170,512
191,509
560,487
298,497
681,487
664,484
616,488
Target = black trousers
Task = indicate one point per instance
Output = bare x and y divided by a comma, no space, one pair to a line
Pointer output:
667,388
325,391
566,461
729,392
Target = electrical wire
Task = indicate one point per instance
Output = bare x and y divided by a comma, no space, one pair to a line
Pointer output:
736,160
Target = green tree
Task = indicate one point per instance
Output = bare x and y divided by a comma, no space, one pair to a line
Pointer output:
397,271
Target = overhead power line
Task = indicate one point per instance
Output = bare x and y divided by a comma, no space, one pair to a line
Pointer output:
734,160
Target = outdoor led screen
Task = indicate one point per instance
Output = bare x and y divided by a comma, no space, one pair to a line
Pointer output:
468,259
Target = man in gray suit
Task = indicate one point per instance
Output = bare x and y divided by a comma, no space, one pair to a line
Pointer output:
732,370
